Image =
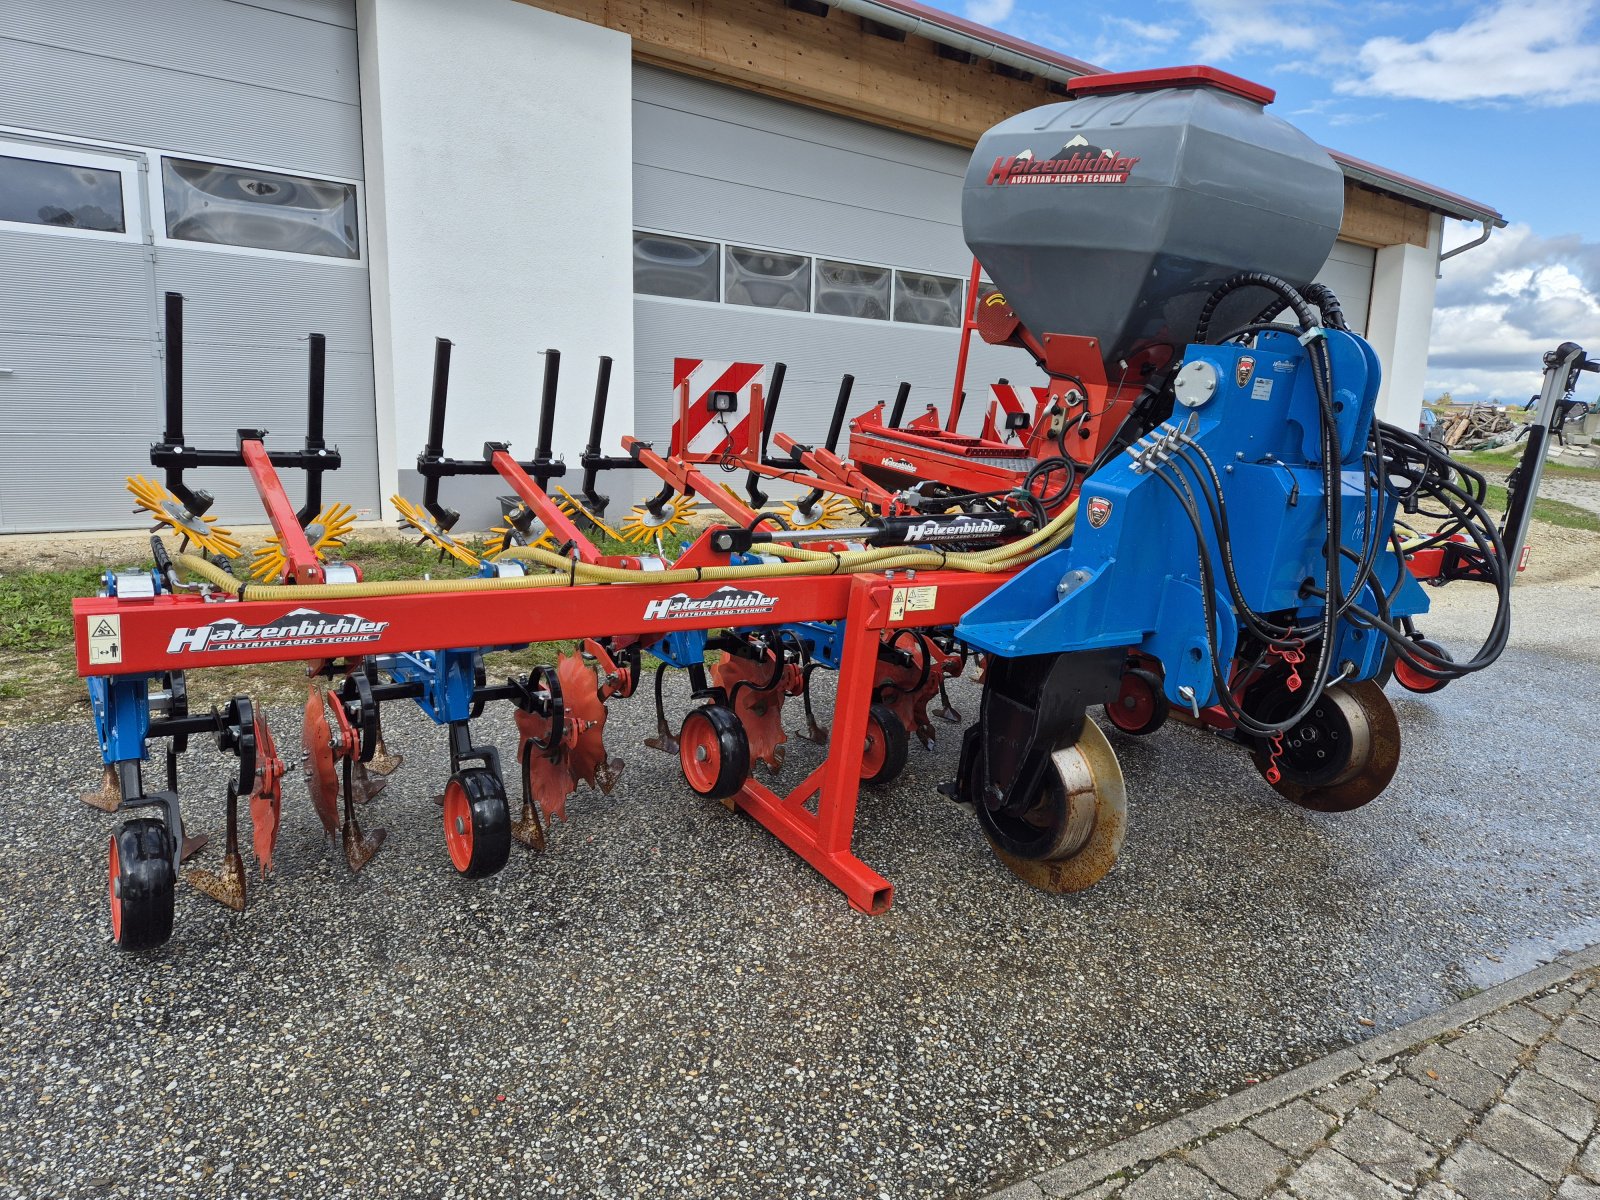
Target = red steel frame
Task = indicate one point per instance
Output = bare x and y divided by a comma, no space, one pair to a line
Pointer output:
300,561
515,617
546,509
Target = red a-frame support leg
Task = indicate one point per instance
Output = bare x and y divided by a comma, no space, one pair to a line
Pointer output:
823,839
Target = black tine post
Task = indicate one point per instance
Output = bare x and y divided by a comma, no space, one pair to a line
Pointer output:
836,426
196,500
433,449
547,406
597,423
899,410
316,409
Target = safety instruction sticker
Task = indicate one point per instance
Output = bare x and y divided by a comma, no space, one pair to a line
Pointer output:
911,599
1262,389
105,639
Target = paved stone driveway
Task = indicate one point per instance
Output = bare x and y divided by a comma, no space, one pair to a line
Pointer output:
1497,1098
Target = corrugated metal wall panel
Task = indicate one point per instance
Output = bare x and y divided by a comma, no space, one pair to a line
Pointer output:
56,284
271,83
213,79
668,89
235,42
722,163
744,213
331,12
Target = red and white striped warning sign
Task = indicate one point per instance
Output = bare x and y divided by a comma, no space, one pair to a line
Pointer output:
698,433
1005,395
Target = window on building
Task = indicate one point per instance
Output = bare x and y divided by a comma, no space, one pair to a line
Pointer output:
921,299
852,290
61,195
672,266
262,210
768,279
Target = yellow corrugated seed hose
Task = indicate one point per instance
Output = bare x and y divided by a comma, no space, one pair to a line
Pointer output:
564,572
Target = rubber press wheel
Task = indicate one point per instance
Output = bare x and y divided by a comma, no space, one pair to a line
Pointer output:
1140,707
887,746
141,885
477,822
714,751
1414,680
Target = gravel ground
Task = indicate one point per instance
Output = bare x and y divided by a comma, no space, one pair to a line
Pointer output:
669,1003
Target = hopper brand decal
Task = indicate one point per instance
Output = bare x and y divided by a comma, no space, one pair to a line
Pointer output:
951,531
1245,368
1099,511
725,601
900,464
1076,162
302,627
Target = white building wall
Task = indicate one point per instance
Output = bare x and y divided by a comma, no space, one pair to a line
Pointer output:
1404,279
498,142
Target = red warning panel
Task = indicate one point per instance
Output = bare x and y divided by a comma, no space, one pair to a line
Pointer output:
1007,396
718,408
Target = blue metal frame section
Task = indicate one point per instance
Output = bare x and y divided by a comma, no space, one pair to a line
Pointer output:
823,640
684,649
1134,579
448,679
121,706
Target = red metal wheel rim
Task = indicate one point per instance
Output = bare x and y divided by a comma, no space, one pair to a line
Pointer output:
1414,680
116,892
700,753
875,750
458,825
1134,706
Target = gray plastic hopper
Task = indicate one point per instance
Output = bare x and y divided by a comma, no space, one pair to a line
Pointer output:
1115,213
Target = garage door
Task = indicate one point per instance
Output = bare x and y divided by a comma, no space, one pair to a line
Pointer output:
201,146
768,232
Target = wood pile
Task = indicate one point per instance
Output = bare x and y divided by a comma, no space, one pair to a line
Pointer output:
1470,428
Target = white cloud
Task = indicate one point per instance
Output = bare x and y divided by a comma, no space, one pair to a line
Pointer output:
1228,26
989,12
1531,50
1501,305
1125,44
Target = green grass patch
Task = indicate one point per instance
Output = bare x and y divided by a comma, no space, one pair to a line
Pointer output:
1554,512
1506,459
36,606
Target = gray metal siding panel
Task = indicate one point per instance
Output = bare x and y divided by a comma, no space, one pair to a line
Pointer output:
759,216
83,286
721,163
272,83
242,83
226,41
77,333
331,12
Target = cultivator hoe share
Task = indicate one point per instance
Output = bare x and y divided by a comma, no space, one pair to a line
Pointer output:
1195,517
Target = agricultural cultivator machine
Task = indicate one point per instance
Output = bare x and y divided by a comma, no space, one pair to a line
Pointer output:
1196,518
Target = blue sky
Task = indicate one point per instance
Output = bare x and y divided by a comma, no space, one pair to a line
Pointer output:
1497,100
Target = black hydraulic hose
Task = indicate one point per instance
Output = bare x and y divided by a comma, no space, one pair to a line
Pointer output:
1292,299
